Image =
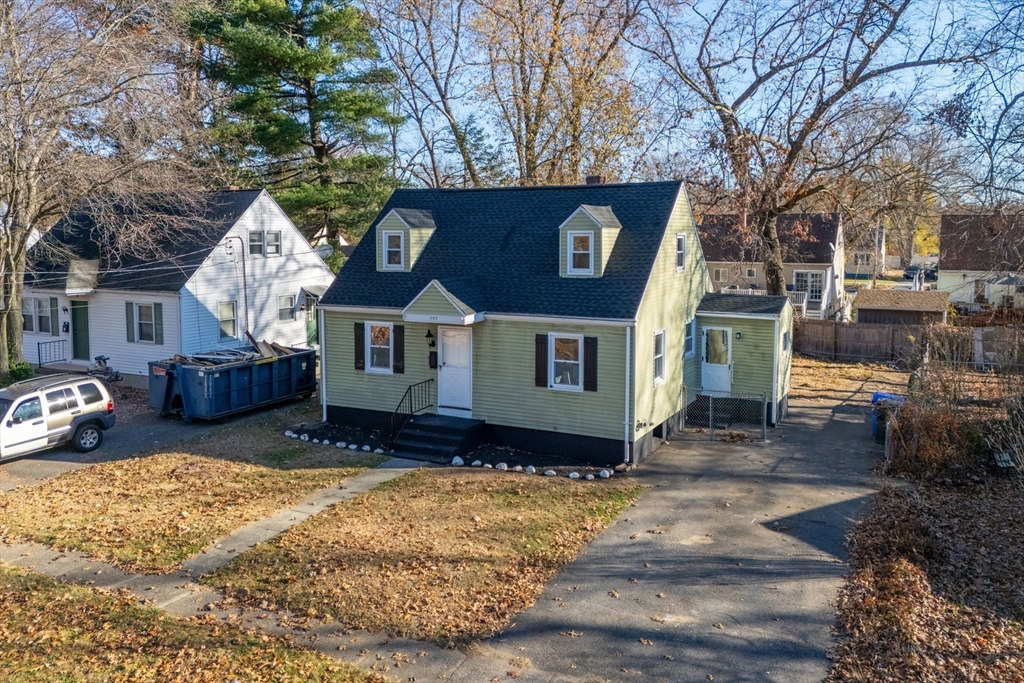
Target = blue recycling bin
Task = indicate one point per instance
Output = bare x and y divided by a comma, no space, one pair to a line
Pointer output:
882,406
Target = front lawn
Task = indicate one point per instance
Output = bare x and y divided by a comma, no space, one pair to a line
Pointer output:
51,631
151,513
444,555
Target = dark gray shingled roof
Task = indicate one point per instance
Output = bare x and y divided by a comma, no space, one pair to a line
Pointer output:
497,250
750,304
804,237
603,215
78,234
416,218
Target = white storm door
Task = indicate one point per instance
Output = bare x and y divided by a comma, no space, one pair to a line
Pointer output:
455,372
716,366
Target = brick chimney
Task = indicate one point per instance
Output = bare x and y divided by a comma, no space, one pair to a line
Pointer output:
595,180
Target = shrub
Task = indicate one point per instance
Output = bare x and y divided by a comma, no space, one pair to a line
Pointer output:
926,441
20,371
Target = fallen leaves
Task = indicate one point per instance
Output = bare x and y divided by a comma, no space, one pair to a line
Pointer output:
441,555
51,631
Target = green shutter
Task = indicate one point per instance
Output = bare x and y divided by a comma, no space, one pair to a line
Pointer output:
158,323
54,319
129,319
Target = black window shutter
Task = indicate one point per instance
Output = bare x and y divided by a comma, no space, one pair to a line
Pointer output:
590,364
359,347
54,319
398,352
158,323
129,320
540,361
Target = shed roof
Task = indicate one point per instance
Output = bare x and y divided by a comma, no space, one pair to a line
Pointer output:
805,238
746,304
181,252
497,250
902,300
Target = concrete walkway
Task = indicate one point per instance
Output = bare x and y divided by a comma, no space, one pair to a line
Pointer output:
179,594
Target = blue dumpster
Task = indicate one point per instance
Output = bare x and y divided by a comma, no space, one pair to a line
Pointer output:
208,387
882,406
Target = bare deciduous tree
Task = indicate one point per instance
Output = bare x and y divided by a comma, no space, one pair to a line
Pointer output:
798,93
89,112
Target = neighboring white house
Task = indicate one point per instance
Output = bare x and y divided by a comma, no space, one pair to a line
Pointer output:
813,255
187,300
981,259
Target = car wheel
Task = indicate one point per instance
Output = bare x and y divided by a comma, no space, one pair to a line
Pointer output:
88,437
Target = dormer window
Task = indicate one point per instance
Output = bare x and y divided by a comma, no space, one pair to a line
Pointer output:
394,250
581,253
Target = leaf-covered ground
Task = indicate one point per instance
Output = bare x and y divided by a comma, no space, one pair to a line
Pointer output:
151,513
444,555
936,592
822,380
51,631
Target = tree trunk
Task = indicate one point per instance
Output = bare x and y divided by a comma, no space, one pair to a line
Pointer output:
771,249
12,333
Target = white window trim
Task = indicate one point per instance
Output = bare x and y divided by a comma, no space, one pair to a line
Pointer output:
569,252
680,236
263,243
691,328
138,324
808,290
551,362
718,274
290,308
384,249
234,305
659,380
368,355
266,243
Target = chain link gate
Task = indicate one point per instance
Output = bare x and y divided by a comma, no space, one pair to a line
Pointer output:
726,415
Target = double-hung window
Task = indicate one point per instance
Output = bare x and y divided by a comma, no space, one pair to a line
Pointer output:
688,341
257,243
273,243
28,314
286,308
680,252
721,274
751,273
394,250
228,319
145,323
581,253
659,357
565,363
379,347
862,259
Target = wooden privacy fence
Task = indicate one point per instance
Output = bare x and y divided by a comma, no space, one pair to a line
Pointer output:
858,341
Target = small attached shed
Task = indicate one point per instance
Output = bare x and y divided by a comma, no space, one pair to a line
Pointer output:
900,307
746,347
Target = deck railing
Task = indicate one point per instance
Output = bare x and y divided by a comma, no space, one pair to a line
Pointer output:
52,352
417,398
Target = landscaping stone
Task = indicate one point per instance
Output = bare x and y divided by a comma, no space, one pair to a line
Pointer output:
530,469
352,446
488,466
604,474
316,440
342,444
574,475
366,448
295,436
477,463
549,473
458,462
517,468
304,437
378,451
501,466
589,477
288,432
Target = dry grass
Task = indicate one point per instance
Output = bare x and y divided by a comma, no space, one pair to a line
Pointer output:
935,594
829,381
150,513
439,555
55,632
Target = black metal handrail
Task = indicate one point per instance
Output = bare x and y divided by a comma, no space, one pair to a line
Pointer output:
51,352
416,399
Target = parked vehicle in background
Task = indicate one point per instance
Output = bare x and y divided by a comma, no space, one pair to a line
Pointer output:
931,272
911,272
44,412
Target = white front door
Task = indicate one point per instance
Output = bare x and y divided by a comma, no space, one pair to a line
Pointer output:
455,372
716,368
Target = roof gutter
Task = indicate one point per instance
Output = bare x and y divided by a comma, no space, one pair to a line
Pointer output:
478,317
755,316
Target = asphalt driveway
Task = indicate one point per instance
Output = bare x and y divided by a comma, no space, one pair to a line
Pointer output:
727,567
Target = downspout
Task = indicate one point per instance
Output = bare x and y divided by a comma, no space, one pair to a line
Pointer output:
245,287
775,373
626,423
321,333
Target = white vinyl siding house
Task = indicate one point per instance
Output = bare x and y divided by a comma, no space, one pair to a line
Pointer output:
210,311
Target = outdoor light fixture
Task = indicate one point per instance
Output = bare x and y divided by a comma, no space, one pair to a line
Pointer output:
430,339
739,335
65,309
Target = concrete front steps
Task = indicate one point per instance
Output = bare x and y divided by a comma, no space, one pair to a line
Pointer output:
438,438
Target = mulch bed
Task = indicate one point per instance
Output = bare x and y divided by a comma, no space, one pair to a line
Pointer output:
334,433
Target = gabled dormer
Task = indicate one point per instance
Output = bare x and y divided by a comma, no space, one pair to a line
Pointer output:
401,237
586,240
